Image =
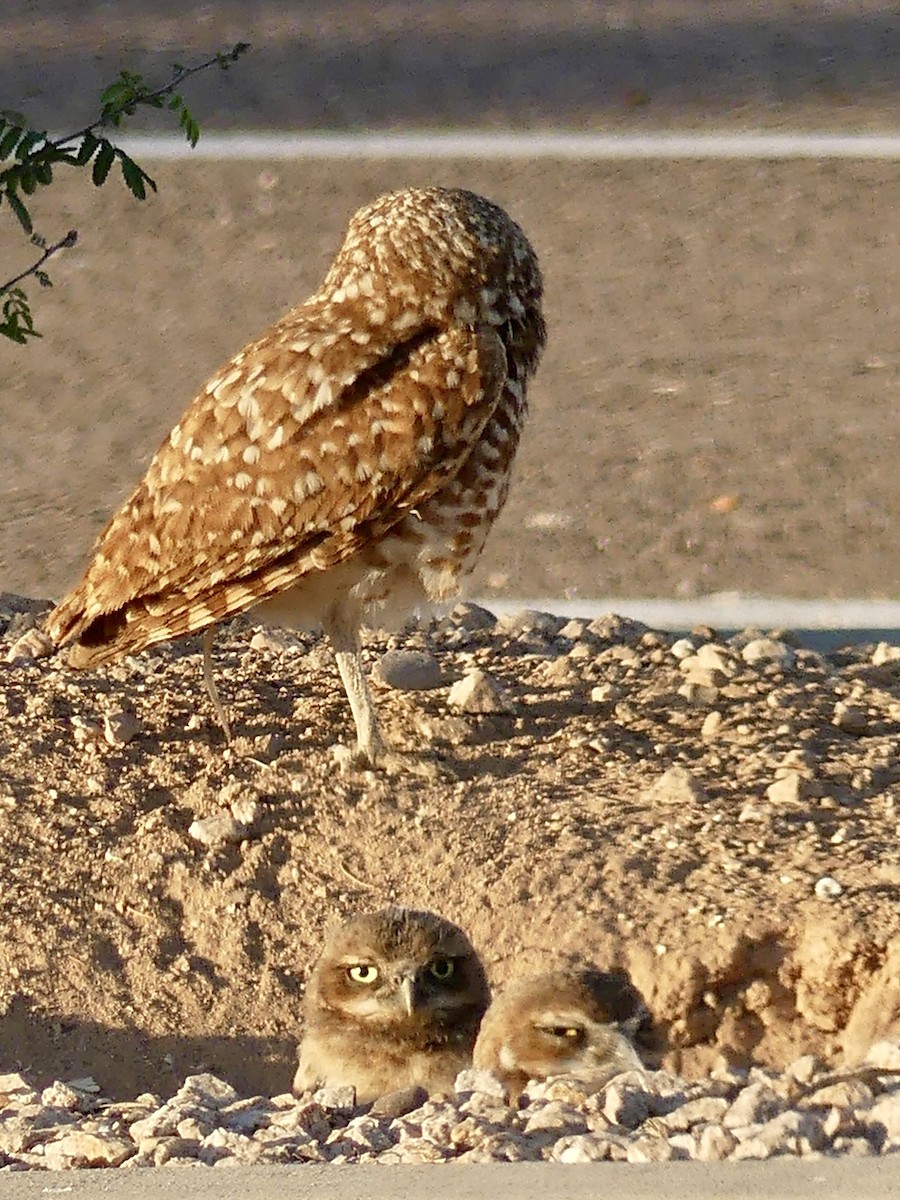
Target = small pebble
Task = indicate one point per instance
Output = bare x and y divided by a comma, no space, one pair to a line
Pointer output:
217,830
827,888
676,786
478,692
408,670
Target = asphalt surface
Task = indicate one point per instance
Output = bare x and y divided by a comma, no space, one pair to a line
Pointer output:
777,1179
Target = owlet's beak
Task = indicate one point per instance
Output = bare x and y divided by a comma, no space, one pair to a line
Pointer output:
408,992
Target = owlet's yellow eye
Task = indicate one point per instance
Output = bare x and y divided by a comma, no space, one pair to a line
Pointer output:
564,1033
442,969
363,973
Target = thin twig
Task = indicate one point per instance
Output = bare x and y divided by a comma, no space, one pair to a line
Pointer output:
63,244
148,97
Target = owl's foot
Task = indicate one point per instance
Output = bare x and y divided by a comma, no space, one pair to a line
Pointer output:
391,762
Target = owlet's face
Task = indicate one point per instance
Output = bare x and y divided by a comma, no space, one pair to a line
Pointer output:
578,1021
399,968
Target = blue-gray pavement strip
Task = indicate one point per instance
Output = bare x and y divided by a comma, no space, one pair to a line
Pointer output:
491,146
823,625
776,1179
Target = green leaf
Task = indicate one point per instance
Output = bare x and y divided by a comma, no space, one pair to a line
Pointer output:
190,127
87,149
43,172
9,141
21,212
27,181
17,324
31,139
175,103
120,92
102,163
12,117
133,175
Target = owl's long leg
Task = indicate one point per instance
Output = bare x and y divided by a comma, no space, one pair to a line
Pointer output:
345,643
209,682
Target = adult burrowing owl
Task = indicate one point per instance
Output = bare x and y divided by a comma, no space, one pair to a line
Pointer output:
344,468
578,1020
394,1001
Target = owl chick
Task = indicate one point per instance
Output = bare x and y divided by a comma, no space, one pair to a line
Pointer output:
395,1001
578,1020
343,469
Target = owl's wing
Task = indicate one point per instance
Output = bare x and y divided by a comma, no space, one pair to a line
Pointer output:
310,443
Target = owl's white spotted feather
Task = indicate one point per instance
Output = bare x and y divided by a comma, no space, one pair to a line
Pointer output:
371,429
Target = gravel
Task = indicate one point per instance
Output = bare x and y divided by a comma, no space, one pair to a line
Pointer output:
640,1116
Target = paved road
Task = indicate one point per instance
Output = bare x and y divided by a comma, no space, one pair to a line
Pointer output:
778,1179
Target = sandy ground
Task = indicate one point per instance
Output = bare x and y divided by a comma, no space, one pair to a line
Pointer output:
676,818
716,409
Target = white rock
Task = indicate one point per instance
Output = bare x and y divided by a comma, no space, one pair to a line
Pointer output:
827,888
712,723
274,640
78,1149
683,648
791,788
246,810
626,1106
17,1087
767,650
755,1104
478,692
205,1091
851,718
472,617
581,1148
886,1113
883,653
408,670
217,830
652,1149
676,786
715,1144
32,644
884,1054
474,1080
120,727
336,1099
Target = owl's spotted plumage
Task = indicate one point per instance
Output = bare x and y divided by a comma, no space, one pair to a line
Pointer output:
394,1001
344,468
574,1021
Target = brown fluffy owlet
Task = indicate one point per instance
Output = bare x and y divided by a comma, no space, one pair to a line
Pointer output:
574,1021
343,469
395,1001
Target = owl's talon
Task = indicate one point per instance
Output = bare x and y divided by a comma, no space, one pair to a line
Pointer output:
421,765
391,762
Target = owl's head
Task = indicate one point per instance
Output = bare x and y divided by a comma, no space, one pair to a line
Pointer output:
444,254
576,1021
400,967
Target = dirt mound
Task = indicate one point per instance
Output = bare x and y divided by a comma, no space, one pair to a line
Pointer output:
718,817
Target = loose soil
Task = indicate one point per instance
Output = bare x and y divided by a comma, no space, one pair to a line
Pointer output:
717,410
133,952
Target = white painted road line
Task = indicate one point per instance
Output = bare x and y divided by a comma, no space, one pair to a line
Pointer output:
725,610
580,147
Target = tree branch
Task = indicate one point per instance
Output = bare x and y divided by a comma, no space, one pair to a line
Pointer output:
63,244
